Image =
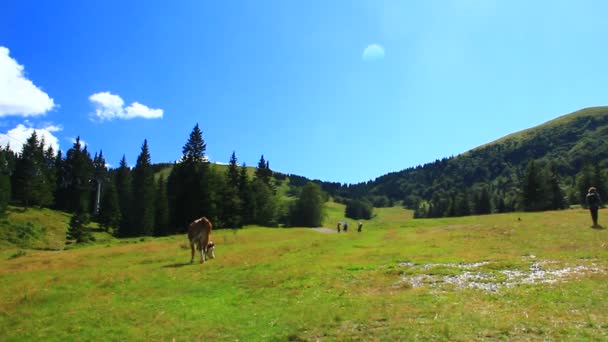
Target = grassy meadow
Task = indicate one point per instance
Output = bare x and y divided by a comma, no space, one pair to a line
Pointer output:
299,284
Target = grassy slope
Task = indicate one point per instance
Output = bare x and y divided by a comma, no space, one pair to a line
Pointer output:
40,229
45,228
291,284
222,168
564,120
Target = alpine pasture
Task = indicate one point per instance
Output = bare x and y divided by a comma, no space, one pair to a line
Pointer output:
400,279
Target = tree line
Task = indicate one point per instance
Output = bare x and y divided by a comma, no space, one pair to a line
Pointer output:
140,201
540,188
547,167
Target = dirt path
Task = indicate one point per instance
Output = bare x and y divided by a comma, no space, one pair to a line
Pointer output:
325,230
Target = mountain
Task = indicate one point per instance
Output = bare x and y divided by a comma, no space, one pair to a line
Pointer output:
568,143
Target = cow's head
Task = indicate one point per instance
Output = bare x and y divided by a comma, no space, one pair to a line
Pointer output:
211,249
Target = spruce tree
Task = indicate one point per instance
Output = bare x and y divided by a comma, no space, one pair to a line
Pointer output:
533,189
584,181
194,150
264,203
5,182
483,203
463,206
161,209
60,183
109,211
189,191
77,229
233,171
124,191
231,206
29,178
246,196
263,172
50,176
557,197
78,173
143,193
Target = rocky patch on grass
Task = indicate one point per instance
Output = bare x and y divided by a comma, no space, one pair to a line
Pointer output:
491,279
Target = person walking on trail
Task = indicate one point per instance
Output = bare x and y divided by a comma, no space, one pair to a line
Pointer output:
360,227
594,202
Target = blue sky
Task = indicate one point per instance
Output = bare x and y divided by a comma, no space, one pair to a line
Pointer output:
340,91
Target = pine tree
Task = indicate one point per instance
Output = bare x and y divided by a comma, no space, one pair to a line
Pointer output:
5,182
109,211
189,191
162,209
143,193
584,181
533,189
77,229
29,177
231,206
194,150
124,191
483,204
463,206
78,168
61,182
50,176
557,197
246,196
263,172
233,171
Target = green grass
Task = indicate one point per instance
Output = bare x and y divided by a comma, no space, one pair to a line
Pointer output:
299,284
33,228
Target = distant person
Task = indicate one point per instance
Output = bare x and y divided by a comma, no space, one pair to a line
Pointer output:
360,227
339,223
594,202
345,228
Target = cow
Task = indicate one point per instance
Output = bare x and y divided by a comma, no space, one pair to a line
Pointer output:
198,234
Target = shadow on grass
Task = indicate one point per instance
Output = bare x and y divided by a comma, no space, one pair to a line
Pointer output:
179,264
598,226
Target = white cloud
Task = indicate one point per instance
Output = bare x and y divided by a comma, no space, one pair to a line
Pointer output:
18,95
373,52
17,136
137,109
109,106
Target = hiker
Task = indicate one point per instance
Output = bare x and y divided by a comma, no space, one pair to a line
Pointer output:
339,224
360,227
593,202
345,226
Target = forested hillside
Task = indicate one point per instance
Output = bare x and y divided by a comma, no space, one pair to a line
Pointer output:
147,199
565,155
542,168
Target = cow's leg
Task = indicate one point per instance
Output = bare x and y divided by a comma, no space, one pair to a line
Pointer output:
192,254
202,250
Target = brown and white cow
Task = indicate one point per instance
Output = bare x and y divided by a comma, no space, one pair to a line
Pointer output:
198,234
